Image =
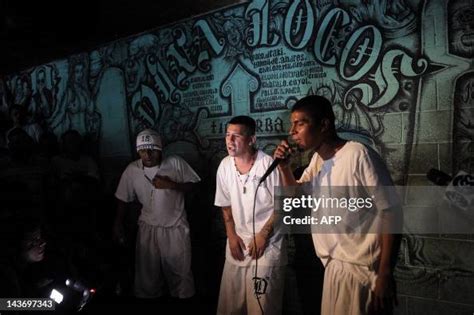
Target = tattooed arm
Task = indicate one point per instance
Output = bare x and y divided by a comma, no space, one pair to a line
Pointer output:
261,239
236,244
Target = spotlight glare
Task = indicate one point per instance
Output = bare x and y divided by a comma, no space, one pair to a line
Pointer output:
56,296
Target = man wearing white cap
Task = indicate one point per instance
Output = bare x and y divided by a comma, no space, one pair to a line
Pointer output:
163,248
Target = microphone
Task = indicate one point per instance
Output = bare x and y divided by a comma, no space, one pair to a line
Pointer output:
270,170
438,177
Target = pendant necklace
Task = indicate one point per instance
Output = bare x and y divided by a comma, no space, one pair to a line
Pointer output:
244,190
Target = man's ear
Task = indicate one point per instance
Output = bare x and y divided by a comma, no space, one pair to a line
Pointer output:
325,125
253,140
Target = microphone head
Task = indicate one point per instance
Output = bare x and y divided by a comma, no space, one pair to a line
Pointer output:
460,192
438,177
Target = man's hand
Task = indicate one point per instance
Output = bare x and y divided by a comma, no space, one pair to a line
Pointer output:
237,247
163,182
262,242
282,152
384,295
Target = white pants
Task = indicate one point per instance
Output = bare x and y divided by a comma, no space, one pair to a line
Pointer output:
347,289
237,296
163,254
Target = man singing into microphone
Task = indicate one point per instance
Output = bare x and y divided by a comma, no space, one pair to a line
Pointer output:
237,179
358,267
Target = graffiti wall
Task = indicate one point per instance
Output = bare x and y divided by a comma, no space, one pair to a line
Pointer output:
376,61
371,59
399,74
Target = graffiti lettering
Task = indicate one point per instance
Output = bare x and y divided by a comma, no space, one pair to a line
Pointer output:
202,31
179,60
166,88
202,27
300,14
360,53
259,34
188,79
277,91
218,127
324,45
269,125
393,62
467,95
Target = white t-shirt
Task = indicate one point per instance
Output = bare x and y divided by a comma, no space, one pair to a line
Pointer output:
229,193
311,170
160,207
354,165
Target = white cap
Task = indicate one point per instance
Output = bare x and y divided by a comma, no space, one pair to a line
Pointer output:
149,139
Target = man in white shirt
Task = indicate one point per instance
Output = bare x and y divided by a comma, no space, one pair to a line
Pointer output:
163,247
238,176
358,267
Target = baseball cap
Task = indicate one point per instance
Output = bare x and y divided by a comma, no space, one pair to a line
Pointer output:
149,139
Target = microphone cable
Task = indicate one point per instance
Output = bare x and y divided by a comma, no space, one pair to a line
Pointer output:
255,278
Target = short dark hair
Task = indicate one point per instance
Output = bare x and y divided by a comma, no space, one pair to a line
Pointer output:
248,122
317,107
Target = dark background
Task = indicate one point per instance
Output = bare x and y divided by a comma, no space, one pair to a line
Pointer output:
36,32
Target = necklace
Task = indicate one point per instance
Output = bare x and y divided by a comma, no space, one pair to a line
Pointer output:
244,189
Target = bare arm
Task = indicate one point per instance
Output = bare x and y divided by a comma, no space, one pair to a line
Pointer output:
286,175
164,182
267,229
184,187
385,267
236,244
384,295
261,239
